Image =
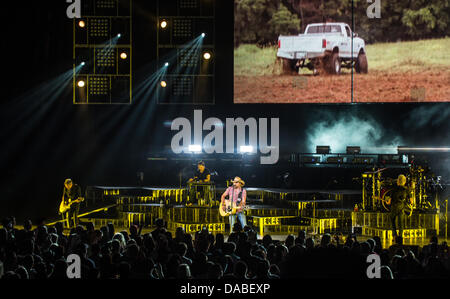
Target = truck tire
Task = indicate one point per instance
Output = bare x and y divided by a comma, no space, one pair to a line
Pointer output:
289,66
361,65
319,66
334,64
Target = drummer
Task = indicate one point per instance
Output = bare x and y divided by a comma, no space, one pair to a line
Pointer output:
201,176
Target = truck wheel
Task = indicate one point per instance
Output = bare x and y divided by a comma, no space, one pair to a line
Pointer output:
318,66
334,64
361,65
289,66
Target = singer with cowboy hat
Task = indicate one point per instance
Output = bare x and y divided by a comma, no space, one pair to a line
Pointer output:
238,195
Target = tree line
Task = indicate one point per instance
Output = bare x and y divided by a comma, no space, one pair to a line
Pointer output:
262,21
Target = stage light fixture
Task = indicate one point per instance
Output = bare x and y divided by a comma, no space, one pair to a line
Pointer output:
82,63
353,150
163,24
322,149
195,148
123,55
246,149
82,24
203,34
163,84
207,56
80,83
119,35
166,64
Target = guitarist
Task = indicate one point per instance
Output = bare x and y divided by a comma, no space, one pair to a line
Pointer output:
71,192
238,196
399,203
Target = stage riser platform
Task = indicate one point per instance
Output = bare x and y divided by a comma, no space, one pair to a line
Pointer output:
383,221
277,224
275,211
193,213
133,195
386,234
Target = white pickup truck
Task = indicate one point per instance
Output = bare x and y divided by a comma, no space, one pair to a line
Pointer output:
323,46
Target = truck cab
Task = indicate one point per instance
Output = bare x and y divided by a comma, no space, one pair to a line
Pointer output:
332,45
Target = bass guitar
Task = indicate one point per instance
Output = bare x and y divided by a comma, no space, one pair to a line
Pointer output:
65,207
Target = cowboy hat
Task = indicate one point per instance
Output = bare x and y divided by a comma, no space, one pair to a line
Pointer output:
238,179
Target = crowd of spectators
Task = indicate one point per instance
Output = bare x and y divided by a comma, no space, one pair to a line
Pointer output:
41,253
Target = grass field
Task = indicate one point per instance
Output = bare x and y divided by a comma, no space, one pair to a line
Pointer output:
415,56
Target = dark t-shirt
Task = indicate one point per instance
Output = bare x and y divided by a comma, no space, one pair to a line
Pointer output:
399,196
201,175
73,193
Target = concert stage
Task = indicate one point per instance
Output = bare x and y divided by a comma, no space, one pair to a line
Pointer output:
277,212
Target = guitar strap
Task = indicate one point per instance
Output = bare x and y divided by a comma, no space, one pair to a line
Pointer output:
239,196
232,195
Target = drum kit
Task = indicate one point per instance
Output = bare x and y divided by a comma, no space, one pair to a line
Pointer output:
377,190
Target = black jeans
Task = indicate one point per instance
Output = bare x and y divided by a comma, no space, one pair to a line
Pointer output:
396,215
201,189
72,215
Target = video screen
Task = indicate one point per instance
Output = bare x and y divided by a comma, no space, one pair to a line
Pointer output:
306,51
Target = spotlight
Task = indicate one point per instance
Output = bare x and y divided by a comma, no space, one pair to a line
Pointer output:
82,24
195,148
166,64
80,83
246,149
163,24
203,34
82,63
123,55
119,35
207,55
163,84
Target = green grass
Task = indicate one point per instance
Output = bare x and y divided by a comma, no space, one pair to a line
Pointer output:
416,56
249,60
409,56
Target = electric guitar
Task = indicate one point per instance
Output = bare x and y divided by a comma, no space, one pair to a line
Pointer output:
65,207
229,209
386,201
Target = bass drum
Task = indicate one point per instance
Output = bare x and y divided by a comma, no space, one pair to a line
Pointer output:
386,198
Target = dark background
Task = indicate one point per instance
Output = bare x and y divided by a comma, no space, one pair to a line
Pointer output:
45,138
